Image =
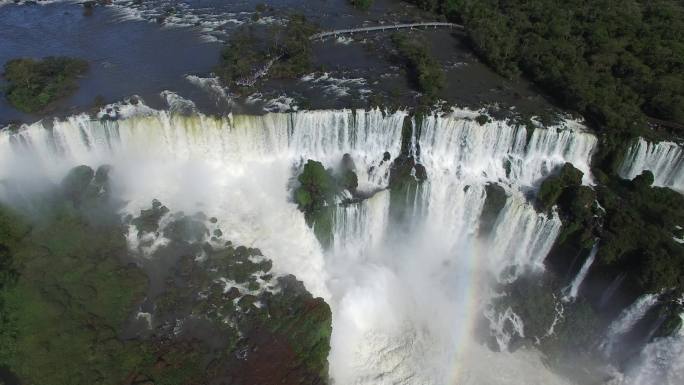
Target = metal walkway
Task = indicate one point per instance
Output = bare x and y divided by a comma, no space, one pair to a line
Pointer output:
350,31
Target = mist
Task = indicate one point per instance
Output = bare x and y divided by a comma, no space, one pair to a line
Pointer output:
407,297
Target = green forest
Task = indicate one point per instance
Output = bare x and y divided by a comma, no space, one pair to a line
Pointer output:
287,49
34,84
618,63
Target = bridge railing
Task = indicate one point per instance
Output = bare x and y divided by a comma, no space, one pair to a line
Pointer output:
336,32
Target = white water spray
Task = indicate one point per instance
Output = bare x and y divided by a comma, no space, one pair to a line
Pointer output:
497,151
403,307
660,362
626,321
570,293
664,159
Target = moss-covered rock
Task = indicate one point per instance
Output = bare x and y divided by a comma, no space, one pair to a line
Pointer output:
552,188
148,220
494,202
347,178
184,228
644,180
317,187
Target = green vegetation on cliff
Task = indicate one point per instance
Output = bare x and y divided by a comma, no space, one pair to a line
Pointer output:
640,224
317,187
279,52
34,84
321,189
636,224
71,295
553,186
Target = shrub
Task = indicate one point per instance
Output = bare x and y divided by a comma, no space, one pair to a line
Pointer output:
279,52
552,188
34,84
424,70
362,4
317,188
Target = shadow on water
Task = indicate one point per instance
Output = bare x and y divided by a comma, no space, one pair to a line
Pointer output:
132,54
7,377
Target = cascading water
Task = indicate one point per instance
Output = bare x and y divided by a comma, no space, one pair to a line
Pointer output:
660,362
570,292
521,239
404,304
626,321
497,151
664,159
237,167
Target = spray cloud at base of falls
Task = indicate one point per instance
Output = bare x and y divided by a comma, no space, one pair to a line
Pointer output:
404,303
626,321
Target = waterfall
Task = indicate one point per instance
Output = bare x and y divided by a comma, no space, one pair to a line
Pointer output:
521,239
660,362
461,156
321,135
359,229
500,151
570,292
664,159
403,304
626,321
505,326
237,168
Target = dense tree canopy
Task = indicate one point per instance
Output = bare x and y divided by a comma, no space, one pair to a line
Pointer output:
34,84
424,70
280,52
620,63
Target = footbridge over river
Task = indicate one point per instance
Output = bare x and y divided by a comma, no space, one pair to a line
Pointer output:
388,27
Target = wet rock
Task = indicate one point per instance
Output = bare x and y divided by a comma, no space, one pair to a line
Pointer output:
246,301
232,293
347,163
76,182
186,229
421,172
494,202
148,220
401,171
